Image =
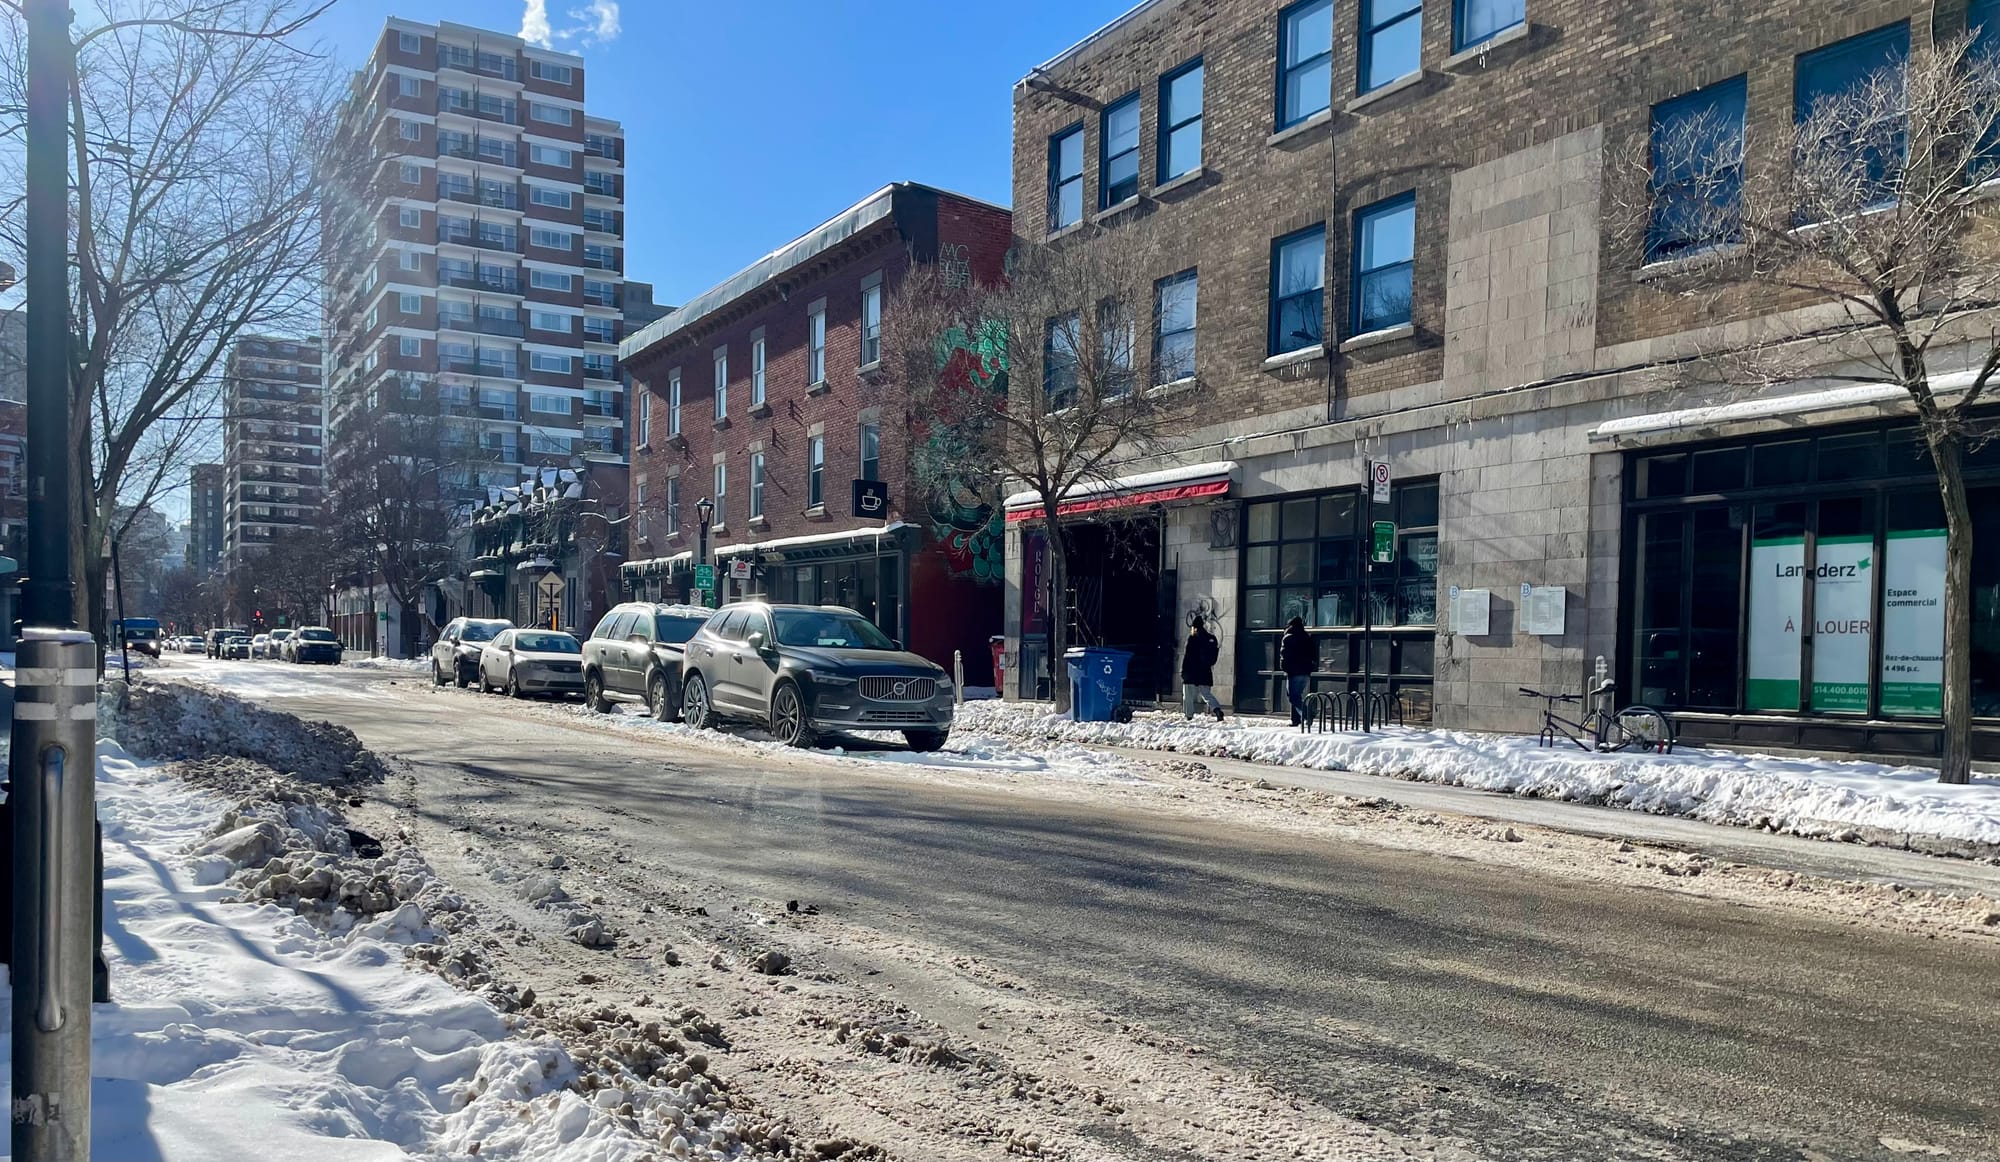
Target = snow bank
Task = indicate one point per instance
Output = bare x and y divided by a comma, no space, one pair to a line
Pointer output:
174,720
393,665
1805,796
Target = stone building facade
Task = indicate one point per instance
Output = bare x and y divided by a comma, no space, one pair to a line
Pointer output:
1409,248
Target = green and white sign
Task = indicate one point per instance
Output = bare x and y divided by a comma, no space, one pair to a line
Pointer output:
1913,623
1777,605
1383,551
704,577
1843,624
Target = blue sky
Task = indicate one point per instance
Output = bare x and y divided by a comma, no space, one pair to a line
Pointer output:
750,123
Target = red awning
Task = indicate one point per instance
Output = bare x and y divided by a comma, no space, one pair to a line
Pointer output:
1129,499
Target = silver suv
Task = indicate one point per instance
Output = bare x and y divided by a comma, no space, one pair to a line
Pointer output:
800,670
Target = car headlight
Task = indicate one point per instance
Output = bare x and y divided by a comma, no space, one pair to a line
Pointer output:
825,678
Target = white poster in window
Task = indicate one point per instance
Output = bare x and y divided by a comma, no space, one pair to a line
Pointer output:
1472,612
1843,624
1913,623
1777,604
1543,608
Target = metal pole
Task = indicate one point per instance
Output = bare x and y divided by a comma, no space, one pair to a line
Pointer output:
53,793
1367,597
118,591
46,595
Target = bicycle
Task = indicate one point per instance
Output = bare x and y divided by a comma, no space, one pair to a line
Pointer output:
1633,728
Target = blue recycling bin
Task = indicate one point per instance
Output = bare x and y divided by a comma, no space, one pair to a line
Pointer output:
1096,682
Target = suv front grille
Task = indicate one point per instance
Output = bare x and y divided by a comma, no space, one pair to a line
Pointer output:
878,688
916,717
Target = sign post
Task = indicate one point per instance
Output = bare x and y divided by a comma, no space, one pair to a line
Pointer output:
1375,490
704,583
551,586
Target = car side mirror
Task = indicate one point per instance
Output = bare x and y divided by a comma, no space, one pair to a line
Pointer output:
758,643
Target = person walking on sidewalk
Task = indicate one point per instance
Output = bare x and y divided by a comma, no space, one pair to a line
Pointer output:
1296,653
1198,670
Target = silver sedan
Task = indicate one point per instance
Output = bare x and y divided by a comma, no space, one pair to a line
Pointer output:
532,661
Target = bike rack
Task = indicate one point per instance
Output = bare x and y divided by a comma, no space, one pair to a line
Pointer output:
1329,711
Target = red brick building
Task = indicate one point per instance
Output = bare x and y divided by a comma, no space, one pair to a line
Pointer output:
763,396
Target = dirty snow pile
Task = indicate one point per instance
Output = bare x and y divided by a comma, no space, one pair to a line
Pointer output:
393,665
1822,798
175,720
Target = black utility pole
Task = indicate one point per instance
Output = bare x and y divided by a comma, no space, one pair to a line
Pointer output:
53,769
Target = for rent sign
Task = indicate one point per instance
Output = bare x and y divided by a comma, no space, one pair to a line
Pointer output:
1843,624
1777,605
1913,623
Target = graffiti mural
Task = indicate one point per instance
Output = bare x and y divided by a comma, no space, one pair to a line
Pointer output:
965,515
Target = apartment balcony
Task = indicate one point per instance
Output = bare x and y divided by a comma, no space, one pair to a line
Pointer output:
600,183
597,145
508,283
500,411
601,300
602,374
483,238
604,262
495,369
484,64
603,222
609,411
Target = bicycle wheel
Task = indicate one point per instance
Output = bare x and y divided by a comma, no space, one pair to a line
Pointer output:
1641,728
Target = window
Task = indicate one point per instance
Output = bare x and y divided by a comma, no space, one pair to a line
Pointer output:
1391,41
553,114
1298,289
596,366
409,86
410,346
412,173
815,471
1477,21
1385,240
598,330
756,486
1305,61
673,506
548,196
720,495
1180,121
871,450
816,346
409,42
1173,327
1118,153
1826,85
410,304
757,371
646,419
548,443
549,155
552,405
600,256
871,325
413,388
551,239
409,130
1059,364
674,402
1697,156
1066,178
548,321
544,71
604,294
410,259
722,383
1116,336
548,362
548,280
409,217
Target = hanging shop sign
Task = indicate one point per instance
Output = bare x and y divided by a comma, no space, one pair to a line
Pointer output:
1913,622
1777,603
1843,623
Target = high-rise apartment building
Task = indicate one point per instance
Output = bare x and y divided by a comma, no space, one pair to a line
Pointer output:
478,243
204,549
272,444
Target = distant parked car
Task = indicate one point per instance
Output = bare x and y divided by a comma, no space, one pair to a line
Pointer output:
193,645
313,643
532,661
260,646
275,648
800,670
455,656
635,655
232,643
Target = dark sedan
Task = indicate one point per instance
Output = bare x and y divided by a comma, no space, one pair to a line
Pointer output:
315,644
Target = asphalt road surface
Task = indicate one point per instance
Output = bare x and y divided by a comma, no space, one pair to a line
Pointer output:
1526,1017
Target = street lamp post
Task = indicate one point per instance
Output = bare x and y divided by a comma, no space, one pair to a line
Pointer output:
705,509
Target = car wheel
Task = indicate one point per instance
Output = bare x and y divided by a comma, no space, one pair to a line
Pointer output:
459,674
788,716
514,686
660,698
694,703
593,693
925,741
437,673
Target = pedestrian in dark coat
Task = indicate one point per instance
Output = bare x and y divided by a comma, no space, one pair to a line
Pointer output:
1298,656
1198,670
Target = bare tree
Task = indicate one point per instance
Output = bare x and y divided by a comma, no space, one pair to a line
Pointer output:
1868,248
1041,382
196,127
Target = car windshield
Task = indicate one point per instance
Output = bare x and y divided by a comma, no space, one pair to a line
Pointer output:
675,630
480,631
547,643
838,631
316,635
280,635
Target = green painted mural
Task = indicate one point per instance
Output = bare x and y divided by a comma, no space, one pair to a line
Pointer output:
963,506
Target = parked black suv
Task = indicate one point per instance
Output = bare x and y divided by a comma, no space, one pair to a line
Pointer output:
801,670
635,656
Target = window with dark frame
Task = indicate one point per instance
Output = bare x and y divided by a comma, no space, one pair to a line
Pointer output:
1305,61
1385,239
1474,22
756,485
1174,303
870,445
1298,290
1066,178
1118,153
815,471
1117,336
1180,121
1059,362
1391,42
1838,72
1697,168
